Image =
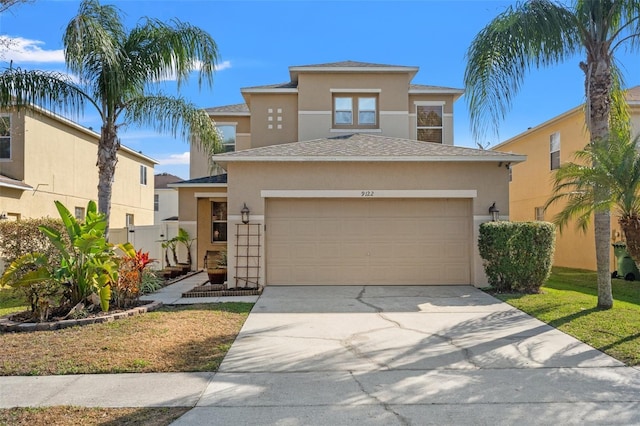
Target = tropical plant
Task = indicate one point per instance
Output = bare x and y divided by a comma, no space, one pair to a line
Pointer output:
185,239
88,264
540,33
613,164
127,289
116,71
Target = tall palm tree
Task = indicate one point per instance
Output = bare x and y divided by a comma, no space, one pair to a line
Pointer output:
118,74
613,164
541,33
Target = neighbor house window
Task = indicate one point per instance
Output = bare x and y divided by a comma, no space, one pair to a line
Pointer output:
129,220
79,213
539,213
5,137
355,111
156,202
228,137
143,175
429,123
218,221
554,150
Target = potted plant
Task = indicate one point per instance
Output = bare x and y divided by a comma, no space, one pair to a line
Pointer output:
185,239
217,268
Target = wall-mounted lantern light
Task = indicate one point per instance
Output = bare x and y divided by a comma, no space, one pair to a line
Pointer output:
245,214
3,216
494,212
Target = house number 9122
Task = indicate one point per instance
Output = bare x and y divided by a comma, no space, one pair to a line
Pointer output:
366,193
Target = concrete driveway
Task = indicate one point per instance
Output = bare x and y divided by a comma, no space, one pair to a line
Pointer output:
409,356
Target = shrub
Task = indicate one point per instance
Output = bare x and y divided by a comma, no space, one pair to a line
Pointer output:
517,255
18,238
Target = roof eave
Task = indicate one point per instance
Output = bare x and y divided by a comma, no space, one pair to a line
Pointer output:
24,187
197,185
442,158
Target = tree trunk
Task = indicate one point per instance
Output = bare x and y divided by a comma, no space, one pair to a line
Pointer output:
107,159
598,84
631,229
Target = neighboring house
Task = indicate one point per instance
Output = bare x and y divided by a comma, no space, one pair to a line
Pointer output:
547,146
165,199
351,177
45,157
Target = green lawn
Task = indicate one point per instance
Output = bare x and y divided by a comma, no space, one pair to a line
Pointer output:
10,301
568,302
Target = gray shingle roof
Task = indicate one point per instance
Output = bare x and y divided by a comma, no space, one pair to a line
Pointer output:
287,85
221,178
427,87
365,147
161,180
236,108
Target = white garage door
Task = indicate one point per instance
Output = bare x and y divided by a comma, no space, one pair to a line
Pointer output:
371,241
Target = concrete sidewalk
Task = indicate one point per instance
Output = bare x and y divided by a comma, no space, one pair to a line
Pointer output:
375,356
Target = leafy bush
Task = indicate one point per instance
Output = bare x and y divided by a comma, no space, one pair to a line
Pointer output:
150,282
18,238
517,255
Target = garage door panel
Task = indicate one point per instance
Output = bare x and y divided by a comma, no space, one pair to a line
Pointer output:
373,241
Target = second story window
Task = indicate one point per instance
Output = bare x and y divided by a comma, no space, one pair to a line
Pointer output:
357,111
156,202
429,123
143,175
554,151
228,137
5,137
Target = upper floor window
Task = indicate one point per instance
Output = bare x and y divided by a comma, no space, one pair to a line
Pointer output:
143,175
156,202
5,137
429,123
228,137
554,151
355,111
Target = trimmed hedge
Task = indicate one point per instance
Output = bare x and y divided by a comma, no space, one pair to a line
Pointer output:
517,255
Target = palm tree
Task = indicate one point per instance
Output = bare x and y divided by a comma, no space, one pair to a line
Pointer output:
542,33
613,164
117,71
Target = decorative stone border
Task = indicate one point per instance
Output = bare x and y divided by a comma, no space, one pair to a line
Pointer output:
7,325
222,293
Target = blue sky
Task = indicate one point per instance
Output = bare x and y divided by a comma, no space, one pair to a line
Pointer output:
259,40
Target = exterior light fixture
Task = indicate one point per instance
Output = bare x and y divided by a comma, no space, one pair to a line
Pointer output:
494,212
245,214
3,216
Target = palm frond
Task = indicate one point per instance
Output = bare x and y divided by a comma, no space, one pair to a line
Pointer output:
167,114
50,90
532,34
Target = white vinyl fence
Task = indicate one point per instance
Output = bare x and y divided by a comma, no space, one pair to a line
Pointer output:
150,238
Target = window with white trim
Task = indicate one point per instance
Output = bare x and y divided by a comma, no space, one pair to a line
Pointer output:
554,151
228,132
143,175
355,111
429,123
129,221
5,137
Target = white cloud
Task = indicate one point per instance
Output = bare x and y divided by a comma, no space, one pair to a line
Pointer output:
174,159
20,50
196,67
223,66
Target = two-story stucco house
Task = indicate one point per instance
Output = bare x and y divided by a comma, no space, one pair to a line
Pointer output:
350,175
45,157
547,146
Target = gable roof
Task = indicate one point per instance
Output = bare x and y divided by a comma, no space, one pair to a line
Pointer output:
235,109
365,147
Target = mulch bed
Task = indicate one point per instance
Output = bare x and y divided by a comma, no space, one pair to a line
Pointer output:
20,321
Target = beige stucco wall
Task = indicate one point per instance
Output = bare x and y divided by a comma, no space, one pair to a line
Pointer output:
59,163
199,162
274,119
532,185
247,180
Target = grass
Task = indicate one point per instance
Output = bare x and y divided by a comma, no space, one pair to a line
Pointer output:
184,338
11,301
568,302
54,416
